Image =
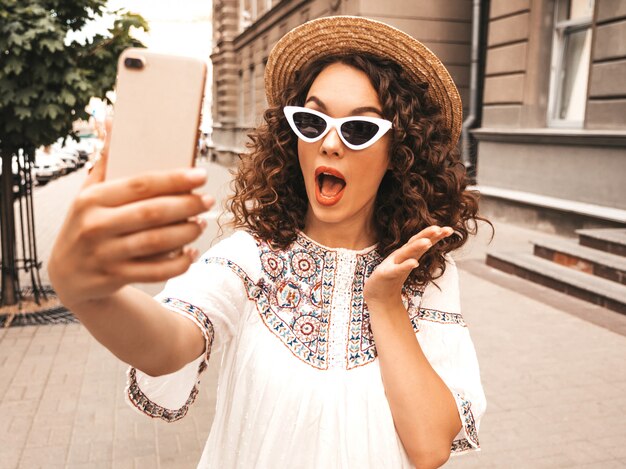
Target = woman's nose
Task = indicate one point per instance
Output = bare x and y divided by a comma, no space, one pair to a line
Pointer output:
332,144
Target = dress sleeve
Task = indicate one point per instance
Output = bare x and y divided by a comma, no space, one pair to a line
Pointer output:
446,342
211,295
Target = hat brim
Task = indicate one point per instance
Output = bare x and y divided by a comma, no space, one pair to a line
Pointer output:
344,35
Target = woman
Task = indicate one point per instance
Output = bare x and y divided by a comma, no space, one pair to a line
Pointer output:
335,304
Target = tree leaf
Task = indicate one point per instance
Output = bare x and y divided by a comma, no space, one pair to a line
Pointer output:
52,45
13,65
68,98
23,112
44,83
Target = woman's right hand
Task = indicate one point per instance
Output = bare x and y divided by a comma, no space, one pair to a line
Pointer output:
125,231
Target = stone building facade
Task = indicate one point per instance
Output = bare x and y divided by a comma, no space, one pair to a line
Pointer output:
552,144
551,134
246,30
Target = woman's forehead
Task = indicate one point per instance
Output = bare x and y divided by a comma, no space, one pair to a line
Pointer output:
342,86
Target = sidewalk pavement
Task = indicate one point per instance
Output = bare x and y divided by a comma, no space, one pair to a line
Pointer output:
553,369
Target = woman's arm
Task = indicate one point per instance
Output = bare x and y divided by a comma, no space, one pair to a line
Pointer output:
141,332
125,231
423,408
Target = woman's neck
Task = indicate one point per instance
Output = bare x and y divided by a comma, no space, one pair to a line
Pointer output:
347,234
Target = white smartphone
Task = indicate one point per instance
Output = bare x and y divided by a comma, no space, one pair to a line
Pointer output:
156,114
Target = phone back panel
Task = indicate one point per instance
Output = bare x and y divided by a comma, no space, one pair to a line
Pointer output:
156,113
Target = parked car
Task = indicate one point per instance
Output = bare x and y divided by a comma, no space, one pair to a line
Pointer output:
81,149
65,167
83,157
46,173
83,152
70,160
47,167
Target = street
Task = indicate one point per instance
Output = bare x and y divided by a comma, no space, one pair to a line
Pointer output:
555,381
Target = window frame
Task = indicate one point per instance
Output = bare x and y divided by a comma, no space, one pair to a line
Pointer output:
561,29
246,17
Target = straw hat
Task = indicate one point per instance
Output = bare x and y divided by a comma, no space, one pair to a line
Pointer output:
344,35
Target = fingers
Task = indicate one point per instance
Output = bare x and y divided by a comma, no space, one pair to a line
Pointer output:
108,126
433,232
147,271
390,275
412,250
104,154
403,269
98,171
157,243
155,212
123,191
389,271
193,253
420,243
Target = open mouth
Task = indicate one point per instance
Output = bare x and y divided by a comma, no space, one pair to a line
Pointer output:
330,185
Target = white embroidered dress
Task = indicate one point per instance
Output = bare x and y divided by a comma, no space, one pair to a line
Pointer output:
300,384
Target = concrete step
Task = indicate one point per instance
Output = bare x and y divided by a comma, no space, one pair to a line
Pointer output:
612,240
588,260
596,290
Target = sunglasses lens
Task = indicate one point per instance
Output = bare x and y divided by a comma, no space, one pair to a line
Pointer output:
359,132
309,125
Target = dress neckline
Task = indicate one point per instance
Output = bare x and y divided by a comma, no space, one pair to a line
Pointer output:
363,251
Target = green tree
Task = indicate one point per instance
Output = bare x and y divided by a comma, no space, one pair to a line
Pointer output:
45,85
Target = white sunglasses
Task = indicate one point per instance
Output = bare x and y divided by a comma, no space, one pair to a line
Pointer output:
357,132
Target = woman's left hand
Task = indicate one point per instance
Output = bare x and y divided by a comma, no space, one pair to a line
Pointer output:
384,286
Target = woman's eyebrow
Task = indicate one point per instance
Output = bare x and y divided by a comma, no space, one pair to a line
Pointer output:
317,101
355,112
361,110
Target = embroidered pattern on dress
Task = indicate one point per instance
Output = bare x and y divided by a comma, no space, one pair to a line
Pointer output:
291,299
197,315
441,317
151,409
143,402
460,446
251,288
360,347
300,286
412,299
469,424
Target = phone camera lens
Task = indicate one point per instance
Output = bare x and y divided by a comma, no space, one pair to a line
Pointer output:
135,63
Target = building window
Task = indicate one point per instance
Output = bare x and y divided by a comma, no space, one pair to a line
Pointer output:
247,13
264,6
251,10
570,62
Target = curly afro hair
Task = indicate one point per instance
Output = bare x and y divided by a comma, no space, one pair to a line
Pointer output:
425,186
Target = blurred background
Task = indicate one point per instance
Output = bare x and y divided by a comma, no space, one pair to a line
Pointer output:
543,84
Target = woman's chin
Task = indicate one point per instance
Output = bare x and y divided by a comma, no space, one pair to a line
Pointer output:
325,213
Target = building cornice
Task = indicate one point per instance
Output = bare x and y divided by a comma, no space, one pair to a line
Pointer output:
578,137
613,214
